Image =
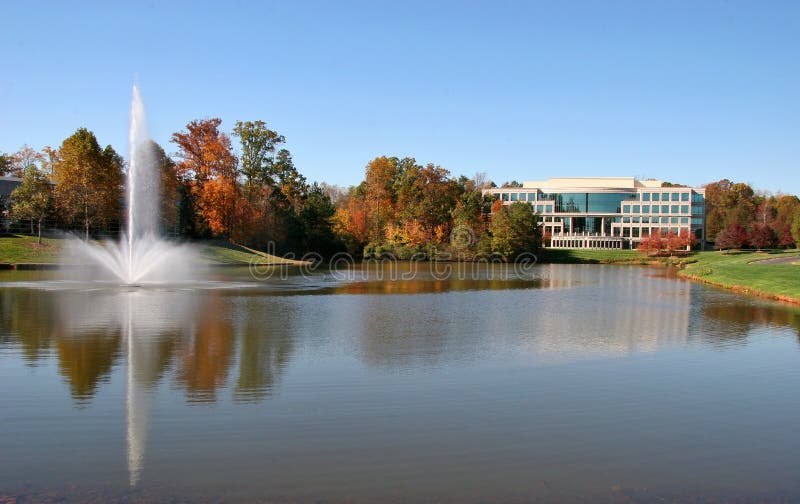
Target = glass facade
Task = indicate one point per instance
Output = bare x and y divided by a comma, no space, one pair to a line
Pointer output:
588,202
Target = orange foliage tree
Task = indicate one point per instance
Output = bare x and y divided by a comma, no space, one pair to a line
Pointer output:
659,243
209,168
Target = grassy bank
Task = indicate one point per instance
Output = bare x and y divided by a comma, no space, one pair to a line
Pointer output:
21,249
582,256
742,272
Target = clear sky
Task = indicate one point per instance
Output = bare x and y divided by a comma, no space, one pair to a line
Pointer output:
688,92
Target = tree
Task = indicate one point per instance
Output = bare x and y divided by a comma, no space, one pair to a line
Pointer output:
24,158
514,230
796,228
168,175
659,243
6,164
88,181
734,237
316,217
761,236
32,198
206,156
258,145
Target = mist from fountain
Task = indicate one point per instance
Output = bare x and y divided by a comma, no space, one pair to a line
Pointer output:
141,256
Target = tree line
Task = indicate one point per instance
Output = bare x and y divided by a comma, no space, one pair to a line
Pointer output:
256,196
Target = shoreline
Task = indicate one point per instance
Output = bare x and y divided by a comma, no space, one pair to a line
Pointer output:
742,289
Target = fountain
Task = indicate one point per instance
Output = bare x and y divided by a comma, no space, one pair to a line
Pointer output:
141,256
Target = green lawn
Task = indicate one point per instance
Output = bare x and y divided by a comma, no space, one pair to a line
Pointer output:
16,249
740,271
22,249
582,256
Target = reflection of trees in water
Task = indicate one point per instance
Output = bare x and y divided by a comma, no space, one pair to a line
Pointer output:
206,356
31,318
741,318
86,359
264,352
196,335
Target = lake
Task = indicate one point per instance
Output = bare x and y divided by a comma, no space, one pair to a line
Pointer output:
384,384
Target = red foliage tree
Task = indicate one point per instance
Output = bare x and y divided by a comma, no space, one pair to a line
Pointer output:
761,236
733,237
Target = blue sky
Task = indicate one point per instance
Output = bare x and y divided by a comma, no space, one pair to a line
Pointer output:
689,91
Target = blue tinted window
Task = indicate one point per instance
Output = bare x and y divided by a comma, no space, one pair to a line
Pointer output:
684,208
505,196
655,208
674,208
636,208
675,196
646,196
655,196
664,208
685,196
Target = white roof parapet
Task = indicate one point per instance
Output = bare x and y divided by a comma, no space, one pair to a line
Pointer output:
590,183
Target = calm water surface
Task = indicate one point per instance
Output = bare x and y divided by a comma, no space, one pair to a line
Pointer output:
564,383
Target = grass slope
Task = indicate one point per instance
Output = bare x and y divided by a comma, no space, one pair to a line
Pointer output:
741,272
21,249
583,256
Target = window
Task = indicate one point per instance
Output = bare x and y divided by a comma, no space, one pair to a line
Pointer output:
674,208
626,209
645,208
685,209
646,220
635,208
664,208
697,210
655,196
655,208
626,220
548,209
664,220
675,196
540,208
646,196
684,220
505,196
674,220
636,232
637,220
685,196
514,196
698,198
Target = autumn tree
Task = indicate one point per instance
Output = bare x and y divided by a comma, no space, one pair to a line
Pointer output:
658,243
761,236
796,228
32,199
733,237
514,230
208,168
425,197
24,158
378,193
88,181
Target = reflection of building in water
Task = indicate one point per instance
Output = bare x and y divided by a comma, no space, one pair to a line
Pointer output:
609,311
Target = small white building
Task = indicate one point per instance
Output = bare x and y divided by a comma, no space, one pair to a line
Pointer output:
608,212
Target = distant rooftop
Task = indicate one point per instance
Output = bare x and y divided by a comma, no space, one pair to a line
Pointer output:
591,183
